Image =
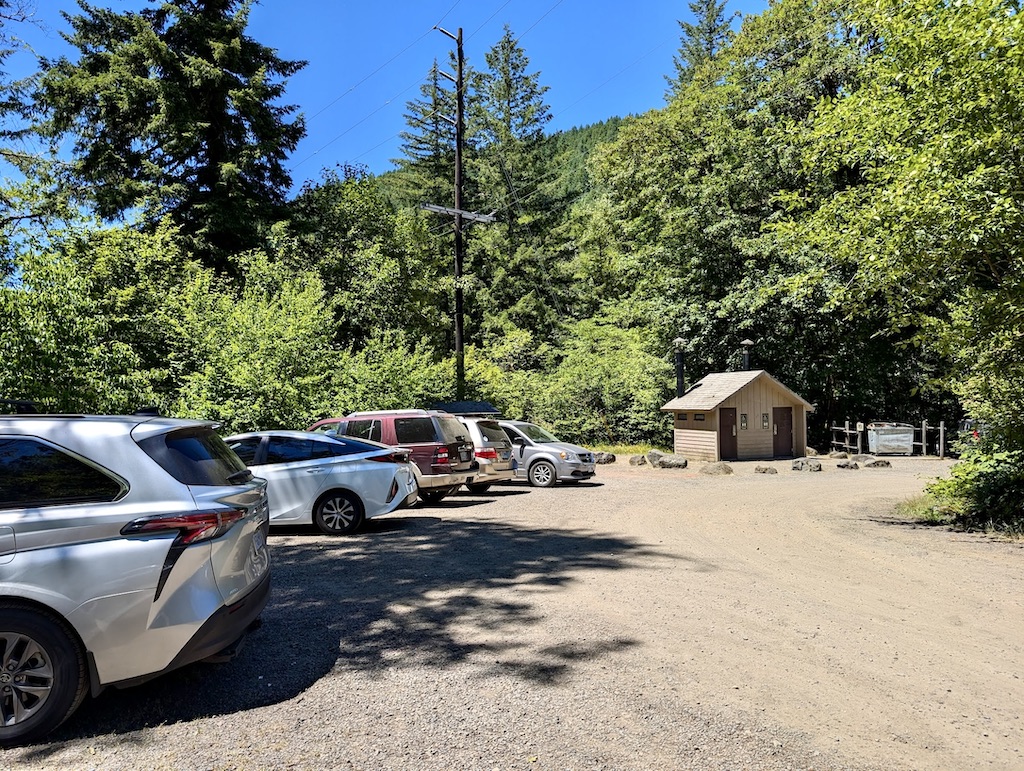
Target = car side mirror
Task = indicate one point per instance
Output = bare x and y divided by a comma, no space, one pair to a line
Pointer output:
519,441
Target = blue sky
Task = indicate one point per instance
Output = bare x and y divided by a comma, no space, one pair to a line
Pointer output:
599,59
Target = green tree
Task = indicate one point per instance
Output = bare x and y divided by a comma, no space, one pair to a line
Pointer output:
379,268
174,112
933,234
700,41
426,169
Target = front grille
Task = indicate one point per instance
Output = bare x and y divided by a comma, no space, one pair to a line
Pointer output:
586,457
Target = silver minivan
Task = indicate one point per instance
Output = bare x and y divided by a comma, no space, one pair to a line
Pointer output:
129,546
543,459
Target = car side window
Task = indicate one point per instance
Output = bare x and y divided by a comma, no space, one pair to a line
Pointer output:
288,450
364,429
414,430
512,434
36,474
246,449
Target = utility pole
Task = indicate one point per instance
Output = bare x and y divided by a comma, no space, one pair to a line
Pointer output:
457,211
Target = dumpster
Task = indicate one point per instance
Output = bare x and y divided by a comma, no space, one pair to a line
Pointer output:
890,439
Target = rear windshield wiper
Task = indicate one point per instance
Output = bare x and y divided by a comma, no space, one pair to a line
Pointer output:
240,476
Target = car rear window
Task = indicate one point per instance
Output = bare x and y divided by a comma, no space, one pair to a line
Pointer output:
345,446
36,474
492,431
452,430
414,430
194,456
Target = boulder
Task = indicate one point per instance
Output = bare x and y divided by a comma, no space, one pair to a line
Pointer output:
838,454
862,458
805,464
654,457
878,463
811,452
671,461
718,469
604,457
638,460
847,464
765,470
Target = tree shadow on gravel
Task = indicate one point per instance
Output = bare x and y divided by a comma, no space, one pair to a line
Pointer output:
402,593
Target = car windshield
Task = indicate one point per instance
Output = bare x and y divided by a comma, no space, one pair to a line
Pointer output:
536,433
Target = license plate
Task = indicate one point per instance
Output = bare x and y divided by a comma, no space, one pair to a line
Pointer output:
259,541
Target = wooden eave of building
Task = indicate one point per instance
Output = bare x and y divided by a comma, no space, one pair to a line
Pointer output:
712,390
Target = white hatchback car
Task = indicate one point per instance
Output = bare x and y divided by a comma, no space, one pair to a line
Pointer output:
334,482
129,546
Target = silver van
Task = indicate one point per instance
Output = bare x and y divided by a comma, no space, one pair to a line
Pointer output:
129,546
543,459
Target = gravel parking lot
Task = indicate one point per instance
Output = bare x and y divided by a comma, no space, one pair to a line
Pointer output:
652,619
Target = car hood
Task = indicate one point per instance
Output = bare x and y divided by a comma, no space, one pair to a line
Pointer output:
558,446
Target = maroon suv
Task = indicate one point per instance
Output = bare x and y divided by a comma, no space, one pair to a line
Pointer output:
440,447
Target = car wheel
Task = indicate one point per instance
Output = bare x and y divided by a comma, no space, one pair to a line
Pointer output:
339,513
42,674
433,496
479,487
542,474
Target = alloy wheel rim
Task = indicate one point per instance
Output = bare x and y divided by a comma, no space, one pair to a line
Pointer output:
338,513
542,474
26,678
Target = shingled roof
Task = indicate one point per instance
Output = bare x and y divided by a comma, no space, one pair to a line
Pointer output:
715,388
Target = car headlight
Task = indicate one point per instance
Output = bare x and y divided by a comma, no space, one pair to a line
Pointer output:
569,456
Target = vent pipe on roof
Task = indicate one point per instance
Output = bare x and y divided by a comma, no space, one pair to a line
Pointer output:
680,380
746,353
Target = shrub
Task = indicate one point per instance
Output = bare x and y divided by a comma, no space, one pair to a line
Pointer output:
985,491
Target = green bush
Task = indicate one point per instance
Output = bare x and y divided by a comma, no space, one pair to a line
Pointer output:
985,491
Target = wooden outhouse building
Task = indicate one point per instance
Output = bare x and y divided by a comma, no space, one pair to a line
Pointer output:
745,415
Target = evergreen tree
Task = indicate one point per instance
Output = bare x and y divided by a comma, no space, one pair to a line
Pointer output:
174,112
428,146
508,122
699,42
518,288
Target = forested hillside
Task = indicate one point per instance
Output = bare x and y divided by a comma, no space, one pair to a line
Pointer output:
838,181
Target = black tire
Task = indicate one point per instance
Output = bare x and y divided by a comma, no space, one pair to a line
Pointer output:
434,496
542,474
42,674
479,487
339,513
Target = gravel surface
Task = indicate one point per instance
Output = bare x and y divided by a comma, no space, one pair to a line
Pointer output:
652,619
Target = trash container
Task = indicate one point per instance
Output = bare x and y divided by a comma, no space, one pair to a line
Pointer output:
890,439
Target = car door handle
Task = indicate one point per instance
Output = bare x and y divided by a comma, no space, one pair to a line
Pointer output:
314,471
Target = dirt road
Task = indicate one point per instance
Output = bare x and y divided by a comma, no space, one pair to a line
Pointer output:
655,619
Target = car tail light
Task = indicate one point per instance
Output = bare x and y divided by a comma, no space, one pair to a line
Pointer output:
487,452
393,491
441,455
192,528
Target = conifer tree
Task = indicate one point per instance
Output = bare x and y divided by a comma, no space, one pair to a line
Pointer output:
428,146
174,112
700,41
